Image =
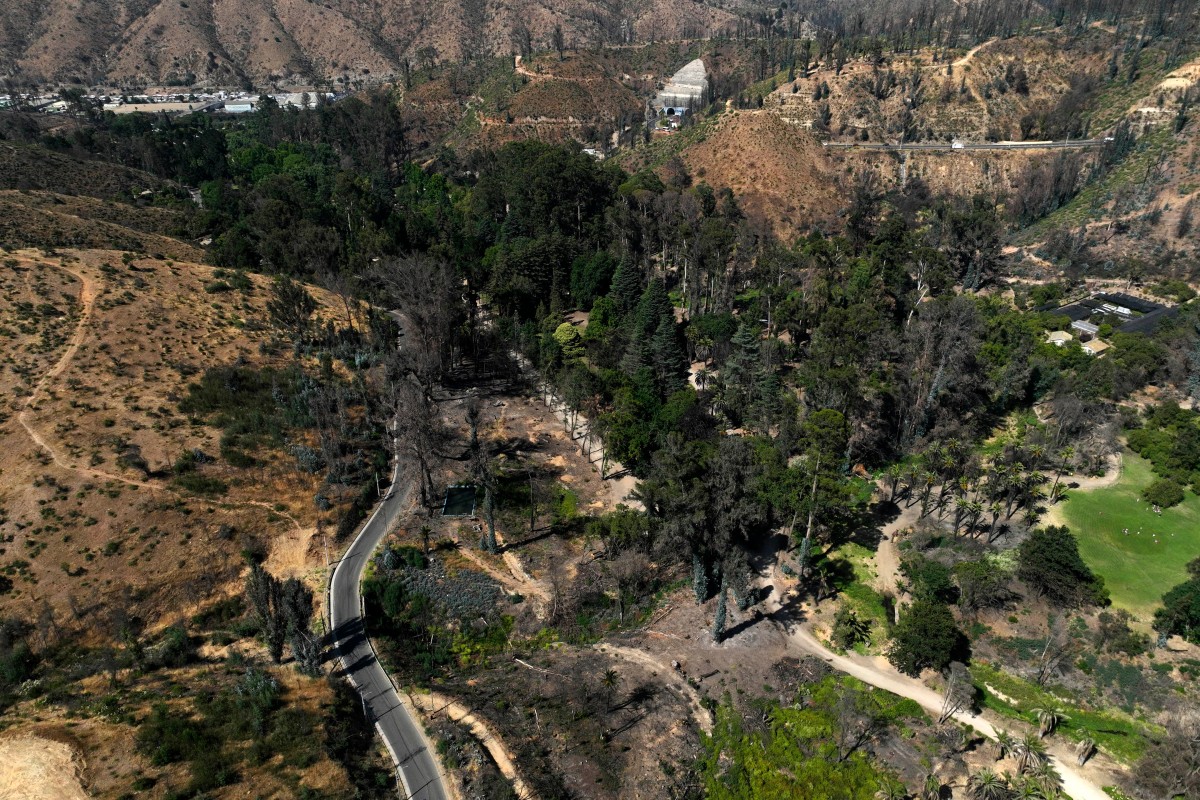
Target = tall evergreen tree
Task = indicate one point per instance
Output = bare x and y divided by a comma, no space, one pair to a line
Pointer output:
626,287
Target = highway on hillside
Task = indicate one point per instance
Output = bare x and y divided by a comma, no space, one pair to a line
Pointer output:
1065,144
403,736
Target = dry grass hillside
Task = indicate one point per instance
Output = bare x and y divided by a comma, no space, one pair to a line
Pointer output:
584,96
97,354
48,220
31,168
117,42
780,174
93,751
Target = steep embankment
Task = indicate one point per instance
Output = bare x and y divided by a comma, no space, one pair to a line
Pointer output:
780,174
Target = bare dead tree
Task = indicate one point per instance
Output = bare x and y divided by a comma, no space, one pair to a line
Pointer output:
428,297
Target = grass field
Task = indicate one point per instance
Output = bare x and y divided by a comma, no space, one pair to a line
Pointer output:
1137,568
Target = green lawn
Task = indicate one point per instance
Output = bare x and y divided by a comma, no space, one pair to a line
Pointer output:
1136,568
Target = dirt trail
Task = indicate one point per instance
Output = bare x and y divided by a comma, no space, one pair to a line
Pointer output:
1087,482
35,768
883,676
515,581
87,298
887,556
877,672
520,68
433,704
966,59
702,715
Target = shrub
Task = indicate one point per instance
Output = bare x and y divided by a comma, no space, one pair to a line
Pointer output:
201,484
848,629
925,637
1163,492
1049,563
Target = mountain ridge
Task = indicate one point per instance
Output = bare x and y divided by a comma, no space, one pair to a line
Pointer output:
258,42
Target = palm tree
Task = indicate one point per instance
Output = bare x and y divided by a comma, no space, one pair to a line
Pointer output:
1065,458
987,785
894,474
1028,790
1047,779
1006,744
1036,453
995,509
1030,752
974,514
1048,720
1085,750
932,789
891,789
962,508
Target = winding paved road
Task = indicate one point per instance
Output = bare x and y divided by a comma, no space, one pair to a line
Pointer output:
405,740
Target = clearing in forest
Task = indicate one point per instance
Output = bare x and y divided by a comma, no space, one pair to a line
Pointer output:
1141,565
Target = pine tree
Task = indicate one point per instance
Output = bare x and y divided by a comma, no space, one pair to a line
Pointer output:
739,370
667,359
626,287
266,601
653,309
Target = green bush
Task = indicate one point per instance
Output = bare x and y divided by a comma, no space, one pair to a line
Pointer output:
196,483
1164,493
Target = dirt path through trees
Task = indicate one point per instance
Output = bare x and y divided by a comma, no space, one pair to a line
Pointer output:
877,672
672,679
970,54
887,556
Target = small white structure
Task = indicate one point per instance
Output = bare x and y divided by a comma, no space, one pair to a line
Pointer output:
686,89
1058,338
1095,347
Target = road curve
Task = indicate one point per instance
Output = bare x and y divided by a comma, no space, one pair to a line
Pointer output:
403,736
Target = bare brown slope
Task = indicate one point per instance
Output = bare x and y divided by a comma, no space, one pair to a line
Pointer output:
778,172
143,42
51,221
97,354
27,167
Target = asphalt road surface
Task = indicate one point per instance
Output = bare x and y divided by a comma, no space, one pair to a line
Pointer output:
402,735
1065,144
